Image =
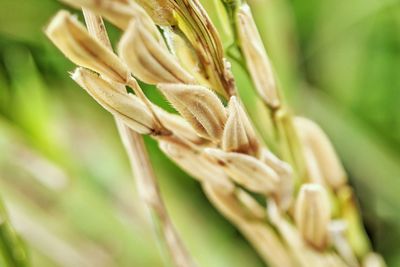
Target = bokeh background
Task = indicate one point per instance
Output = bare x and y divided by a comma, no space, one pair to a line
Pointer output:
65,179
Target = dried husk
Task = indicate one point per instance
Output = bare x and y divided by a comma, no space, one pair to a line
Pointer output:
148,58
256,57
199,106
71,37
246,170
126,107
312,215
328,163
239,135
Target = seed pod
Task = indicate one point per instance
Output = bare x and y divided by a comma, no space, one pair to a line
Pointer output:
256,58
239,135
328,162
332,259
74,41
260,234
198,29
373,260
197,165
247,171
251,204
148,59
179,126
314,174
227,204
270,245
312,214
338,238
186,56
161,11
118,13
304,255
199,106
286,180
312,169
123,106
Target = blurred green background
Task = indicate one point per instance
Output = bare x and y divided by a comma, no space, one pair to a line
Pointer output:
65,179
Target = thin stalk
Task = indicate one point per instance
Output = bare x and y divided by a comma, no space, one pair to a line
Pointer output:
290,147
150,194
145,178
289,144
161,130
10,243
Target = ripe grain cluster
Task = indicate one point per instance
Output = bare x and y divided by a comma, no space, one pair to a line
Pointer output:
292,203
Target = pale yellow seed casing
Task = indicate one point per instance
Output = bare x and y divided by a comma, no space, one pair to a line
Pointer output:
328,162
186,56
148,59
199,106
256,57
126,107
302,253
246,170
285,190
249,203
332,259
197,165
239,135
314,174
179,126
260,234
160,10
312,214
338,239
118,13
373,260
269,244
71,37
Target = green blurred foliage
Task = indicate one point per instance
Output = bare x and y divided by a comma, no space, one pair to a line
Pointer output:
63,168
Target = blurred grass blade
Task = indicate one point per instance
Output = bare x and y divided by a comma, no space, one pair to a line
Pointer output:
11,245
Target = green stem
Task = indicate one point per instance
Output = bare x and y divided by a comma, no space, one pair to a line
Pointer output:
11,245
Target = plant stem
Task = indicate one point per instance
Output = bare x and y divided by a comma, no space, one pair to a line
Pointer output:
143,171
11,245
150,194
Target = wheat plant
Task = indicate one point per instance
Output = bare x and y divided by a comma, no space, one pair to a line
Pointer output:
290,199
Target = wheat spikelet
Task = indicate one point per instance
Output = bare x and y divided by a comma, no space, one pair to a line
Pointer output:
284,194
257,60
127,108
312,214
74,41
199,106
197,165
321,148
239,135
247,171
116,12
148,59
373,260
